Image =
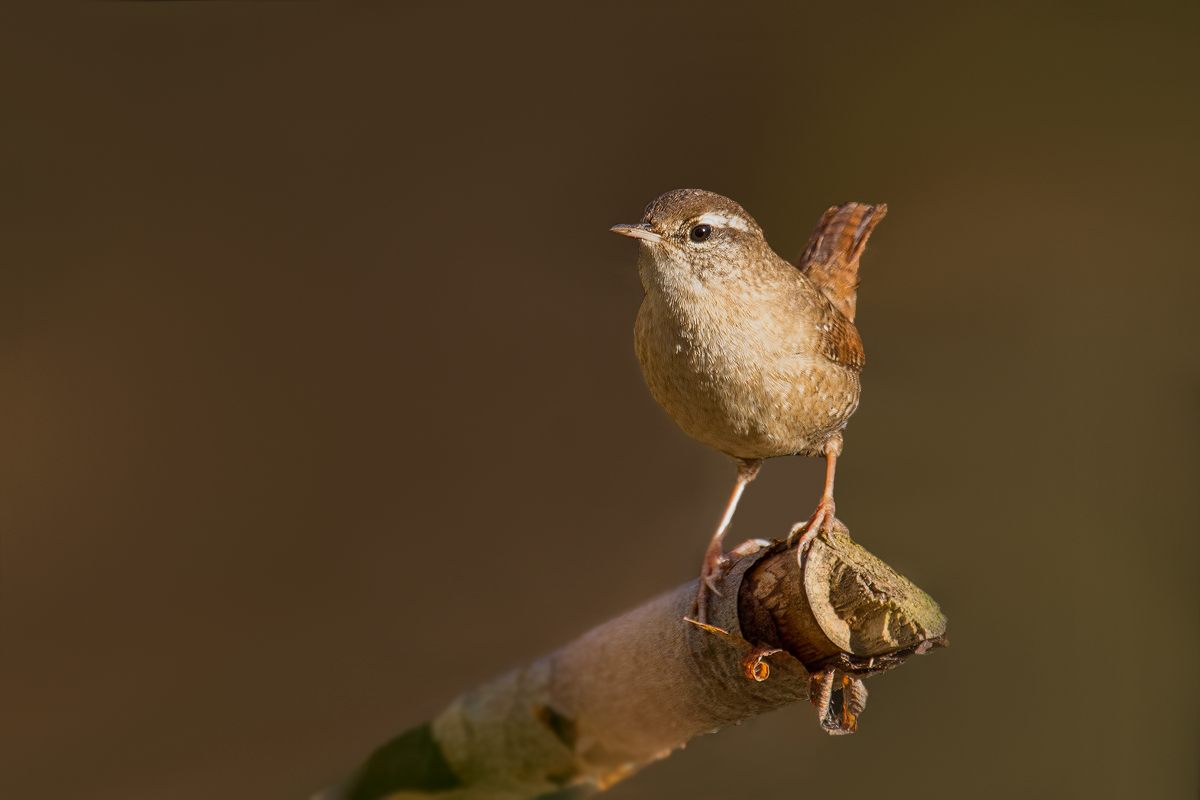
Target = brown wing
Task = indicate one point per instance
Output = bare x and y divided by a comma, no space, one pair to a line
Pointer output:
840,341
831,259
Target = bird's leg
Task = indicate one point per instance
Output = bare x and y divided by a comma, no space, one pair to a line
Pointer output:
714,558
822,519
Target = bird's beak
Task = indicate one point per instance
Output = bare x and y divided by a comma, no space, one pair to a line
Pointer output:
638,231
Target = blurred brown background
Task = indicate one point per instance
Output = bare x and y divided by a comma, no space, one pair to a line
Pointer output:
320,400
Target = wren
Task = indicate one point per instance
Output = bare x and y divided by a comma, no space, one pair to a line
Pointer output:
748,353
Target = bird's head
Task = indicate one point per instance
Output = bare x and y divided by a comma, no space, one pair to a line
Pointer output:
691,235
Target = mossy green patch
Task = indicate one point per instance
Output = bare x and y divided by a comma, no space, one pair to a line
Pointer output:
413,761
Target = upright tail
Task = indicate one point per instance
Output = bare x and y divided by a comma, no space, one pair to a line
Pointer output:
831,258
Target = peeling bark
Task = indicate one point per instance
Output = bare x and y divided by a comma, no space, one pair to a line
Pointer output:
787,627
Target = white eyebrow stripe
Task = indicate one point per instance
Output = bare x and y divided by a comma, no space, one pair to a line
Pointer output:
721,221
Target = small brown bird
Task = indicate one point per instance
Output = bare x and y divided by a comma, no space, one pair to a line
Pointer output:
748,353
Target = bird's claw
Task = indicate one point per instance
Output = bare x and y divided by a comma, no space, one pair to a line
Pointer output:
711,573
714,566
821,522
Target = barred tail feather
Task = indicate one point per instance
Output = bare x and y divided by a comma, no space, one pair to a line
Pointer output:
831,259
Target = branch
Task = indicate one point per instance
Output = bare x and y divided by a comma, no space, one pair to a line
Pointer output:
786,628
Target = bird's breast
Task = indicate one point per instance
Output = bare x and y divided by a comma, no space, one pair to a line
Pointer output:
741,381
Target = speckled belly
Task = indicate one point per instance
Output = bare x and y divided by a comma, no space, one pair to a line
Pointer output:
741,406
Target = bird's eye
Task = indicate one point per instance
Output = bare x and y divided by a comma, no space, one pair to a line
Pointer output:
700,233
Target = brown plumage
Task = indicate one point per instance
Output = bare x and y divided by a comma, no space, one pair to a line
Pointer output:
749,354
831,258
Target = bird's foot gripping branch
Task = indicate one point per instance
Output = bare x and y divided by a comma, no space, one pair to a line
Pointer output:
840,611
789,625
